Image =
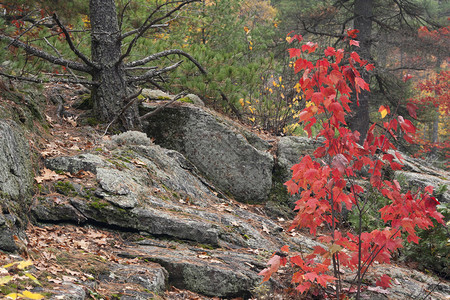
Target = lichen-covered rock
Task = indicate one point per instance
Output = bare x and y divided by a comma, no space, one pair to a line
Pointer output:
154,191
156,94
16,181
218,150
151,276
16,176
87,162
212,273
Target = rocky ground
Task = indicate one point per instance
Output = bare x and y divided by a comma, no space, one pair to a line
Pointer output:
129,217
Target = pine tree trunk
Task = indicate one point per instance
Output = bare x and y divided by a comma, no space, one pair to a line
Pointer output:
110,96
360,120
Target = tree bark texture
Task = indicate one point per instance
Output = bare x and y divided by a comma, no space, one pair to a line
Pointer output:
110,95
360,120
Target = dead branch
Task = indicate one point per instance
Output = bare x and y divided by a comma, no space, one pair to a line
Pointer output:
152,73
48,57
165,54
122,13
148,115
86,60
61,80
137,30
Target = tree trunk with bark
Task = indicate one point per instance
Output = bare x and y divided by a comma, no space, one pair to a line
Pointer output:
360,119
106,48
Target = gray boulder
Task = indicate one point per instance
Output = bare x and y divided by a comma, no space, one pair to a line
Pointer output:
154,191
213,273
221,153
16,181
16,176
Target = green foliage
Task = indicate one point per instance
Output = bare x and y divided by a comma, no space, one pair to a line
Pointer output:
65,188
432,253
370,219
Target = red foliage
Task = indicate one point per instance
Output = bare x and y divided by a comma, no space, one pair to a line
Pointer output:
322,183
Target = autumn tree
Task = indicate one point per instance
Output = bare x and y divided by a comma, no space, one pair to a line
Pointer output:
343,174
112,73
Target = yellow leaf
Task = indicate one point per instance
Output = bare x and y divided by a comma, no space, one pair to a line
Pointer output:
383,112
9,265
24,263
4,280
31,295
241,101
13,295
33,278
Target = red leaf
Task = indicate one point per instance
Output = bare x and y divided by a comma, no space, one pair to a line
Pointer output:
352,33
370,67
274,263
430,203
407,77
361,83
406,125
311,276
294,52
339,162
354,43
411,107
285,248
303,287
292,187
297,37
330,51
310,47
320,152
339,55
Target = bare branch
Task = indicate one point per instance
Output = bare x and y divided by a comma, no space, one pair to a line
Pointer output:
137,30
148,115
122,14
165,54
153,73
86,60
147,25
44,55
141,68
36,80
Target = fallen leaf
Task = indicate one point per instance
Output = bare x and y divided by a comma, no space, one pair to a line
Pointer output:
48,175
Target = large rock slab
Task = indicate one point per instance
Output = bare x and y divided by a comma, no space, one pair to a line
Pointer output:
16,180
16,176
217,273
218,150
154,191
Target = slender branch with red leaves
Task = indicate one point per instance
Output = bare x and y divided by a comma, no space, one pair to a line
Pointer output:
331,180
